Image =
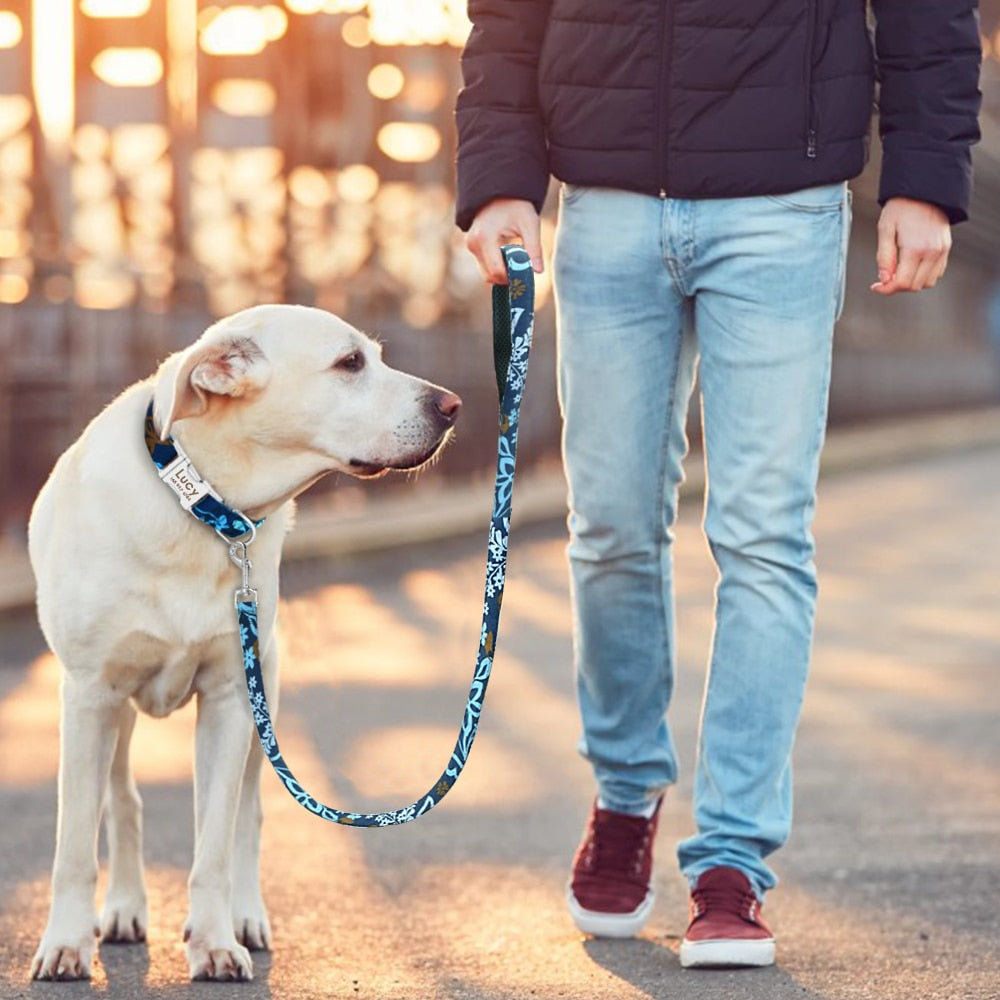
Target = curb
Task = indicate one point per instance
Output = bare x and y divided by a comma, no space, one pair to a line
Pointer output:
541,496
432,515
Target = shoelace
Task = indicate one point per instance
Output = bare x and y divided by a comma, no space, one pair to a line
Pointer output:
618,843
728,898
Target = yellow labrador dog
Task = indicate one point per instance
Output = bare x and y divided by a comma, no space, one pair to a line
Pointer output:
264,404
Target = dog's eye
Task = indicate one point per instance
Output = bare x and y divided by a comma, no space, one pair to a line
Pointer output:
352,362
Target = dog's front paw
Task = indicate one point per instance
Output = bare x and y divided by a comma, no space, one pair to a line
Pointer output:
124,920
222,961
60,958
250,923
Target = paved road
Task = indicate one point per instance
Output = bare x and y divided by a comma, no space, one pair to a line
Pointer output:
890,886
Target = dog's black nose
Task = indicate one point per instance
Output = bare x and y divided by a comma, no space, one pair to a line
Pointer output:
448,405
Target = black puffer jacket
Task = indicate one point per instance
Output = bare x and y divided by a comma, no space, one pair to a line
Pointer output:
716,98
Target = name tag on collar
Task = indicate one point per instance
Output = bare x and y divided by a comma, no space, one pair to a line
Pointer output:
182,477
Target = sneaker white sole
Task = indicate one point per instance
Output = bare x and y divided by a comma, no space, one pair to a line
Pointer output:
610,925
731,952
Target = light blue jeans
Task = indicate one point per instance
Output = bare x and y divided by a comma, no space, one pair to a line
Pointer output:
748,290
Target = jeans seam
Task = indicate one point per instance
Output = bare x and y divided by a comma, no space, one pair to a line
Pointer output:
671,263
664,539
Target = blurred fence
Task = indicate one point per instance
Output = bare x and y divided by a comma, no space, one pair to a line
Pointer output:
164,163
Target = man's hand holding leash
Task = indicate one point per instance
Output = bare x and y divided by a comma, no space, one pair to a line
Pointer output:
499,222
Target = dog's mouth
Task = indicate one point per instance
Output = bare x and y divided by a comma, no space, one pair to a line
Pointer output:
372,468
367,470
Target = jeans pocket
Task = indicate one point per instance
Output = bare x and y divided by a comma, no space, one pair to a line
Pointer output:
825,198
847,202
570,194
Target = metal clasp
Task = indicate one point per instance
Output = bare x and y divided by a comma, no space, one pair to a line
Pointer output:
241,558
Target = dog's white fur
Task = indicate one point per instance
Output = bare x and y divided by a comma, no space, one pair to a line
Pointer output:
136,599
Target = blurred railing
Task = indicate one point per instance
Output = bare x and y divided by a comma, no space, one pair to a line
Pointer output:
179,161
165,163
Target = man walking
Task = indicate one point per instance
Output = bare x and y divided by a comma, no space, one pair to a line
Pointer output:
703,148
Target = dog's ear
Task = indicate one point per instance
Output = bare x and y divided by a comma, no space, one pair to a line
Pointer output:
233,367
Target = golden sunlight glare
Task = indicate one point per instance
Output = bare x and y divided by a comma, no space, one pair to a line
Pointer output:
418,22
344,6
114,8
236,31
182,62
52,70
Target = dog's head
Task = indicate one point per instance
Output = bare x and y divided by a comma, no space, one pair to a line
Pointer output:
300,389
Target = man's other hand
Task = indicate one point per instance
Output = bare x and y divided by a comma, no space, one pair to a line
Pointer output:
914,239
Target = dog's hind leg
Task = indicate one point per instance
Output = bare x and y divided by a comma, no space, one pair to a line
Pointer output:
249,913
222,744
88,728
124,918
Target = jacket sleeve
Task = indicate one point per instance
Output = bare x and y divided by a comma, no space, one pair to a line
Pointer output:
928,54
501,138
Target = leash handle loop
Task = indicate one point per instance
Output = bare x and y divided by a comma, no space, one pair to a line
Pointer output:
513,321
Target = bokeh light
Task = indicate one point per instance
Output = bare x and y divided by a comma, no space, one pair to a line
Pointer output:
356,32
128,67
309,187
14,288
409,142
244,97
15,113
357,183
385,81
11,29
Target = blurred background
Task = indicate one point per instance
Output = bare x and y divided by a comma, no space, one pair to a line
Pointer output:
164,162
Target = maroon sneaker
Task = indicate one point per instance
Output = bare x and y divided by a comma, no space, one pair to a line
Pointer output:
726,926
609,894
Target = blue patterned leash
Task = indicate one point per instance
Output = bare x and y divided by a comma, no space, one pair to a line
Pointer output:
513,319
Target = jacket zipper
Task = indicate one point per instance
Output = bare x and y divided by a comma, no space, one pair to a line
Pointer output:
662,101
812,18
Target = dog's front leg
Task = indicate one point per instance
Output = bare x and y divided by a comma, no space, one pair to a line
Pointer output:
124,918
87,742
249,913
222,742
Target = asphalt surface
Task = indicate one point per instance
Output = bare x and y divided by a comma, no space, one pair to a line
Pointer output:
890,886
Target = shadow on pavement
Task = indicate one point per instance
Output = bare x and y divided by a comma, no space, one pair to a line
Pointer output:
654,969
